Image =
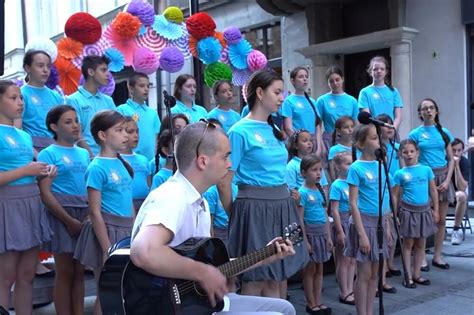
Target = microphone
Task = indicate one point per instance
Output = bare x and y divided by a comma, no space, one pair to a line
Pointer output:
170,101
365,118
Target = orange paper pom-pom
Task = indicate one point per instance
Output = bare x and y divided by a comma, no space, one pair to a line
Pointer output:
69,75
83,27
126,25
69,48
200,25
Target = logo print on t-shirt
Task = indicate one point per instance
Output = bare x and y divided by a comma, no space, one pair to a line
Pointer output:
34,99
425,135
115,176
259,138
67,160
10,141
300,105
221,118
135,117
332,104
346,192
311,198
376,95
369,176
407,177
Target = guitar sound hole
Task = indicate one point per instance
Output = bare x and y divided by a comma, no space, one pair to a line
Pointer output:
199,290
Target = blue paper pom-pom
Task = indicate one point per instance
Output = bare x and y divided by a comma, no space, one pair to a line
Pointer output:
209,50
167,29
238,54
116,58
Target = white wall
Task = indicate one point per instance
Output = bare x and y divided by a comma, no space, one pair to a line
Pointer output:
443,77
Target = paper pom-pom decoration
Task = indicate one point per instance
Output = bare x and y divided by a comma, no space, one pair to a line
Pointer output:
83,27
43,44
174,14
145,60
68,75
240,77
166,28
171,59
256,60
116,59
53,79
126,46
152,41
69,48
238,54
232,35
142,10
215,72
108,89
126,25
200,25
209,50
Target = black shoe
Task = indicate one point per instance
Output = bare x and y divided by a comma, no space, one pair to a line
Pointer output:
410,285
394,272
425,268
314,312
441,266
389,289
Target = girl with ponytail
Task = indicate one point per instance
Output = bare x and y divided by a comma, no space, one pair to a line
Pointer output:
263,207
434,143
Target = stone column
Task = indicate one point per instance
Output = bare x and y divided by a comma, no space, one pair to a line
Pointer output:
320,63
400,53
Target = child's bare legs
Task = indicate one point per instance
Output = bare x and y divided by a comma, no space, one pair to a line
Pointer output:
345,273
365,285
267,288
439,236
308,283
419,253
407,248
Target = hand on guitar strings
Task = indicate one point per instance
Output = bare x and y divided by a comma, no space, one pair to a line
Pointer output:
214,283
283,250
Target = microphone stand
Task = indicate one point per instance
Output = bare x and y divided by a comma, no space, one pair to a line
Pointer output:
170,101
380,155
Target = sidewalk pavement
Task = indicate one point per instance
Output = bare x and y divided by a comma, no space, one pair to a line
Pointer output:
451,291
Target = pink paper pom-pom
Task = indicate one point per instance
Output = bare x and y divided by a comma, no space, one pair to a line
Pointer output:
256,60
145,60
171,59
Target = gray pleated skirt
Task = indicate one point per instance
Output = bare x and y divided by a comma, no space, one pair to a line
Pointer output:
221,233
39,143
259,215
449,194
137,203
88,250
23,219
416,221
317,235
327,140
345,225
62,242
370,227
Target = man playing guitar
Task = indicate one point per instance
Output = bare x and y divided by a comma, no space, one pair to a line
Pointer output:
176,211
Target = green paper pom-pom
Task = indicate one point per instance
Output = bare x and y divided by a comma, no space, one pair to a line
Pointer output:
217,71
174,14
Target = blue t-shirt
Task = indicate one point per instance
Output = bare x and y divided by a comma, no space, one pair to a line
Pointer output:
141,172
152,165
162,176
71,163
331,107
301,112
340,191
221,220
16,150
431,145
194,114
226,117
87,105
111,178
258,157
294,180
148,124
380,100
364,175
37,103
393,160
312,202
338,148
415,182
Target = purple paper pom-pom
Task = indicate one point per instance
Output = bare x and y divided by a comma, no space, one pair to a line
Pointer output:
171,59
53,79
232,35
143,10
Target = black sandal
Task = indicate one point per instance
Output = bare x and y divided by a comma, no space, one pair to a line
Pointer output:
345,301
441,266
411,284
422,281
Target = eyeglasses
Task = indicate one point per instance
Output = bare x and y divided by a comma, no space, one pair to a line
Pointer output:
208,125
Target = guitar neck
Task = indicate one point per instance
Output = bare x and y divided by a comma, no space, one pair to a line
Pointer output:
239,265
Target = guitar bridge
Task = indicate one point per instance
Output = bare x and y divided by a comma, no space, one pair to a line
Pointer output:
176,295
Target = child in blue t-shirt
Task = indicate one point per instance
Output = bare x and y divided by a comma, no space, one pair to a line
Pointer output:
380,97
312,208
361,238
146,118
65,197
164,150
341,141
224,95
139,163
414,189
185,94
434,143
109,188
339,198
38,99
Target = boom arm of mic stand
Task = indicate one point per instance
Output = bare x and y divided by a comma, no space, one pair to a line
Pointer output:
168,106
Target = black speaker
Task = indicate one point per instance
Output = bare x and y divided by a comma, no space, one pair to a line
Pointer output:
2,35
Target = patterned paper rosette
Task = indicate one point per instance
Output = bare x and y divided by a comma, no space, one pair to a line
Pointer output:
69,48
126,46
152,40
96,49
68,75
182,43
167,29
238,54
116,59
240,77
